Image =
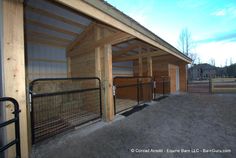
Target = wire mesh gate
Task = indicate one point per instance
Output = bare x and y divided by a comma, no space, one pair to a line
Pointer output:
131,91
63,103
16,121
161,87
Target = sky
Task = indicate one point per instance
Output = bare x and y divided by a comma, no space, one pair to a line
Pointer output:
212,24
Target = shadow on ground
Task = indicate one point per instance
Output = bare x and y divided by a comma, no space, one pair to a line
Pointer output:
177,122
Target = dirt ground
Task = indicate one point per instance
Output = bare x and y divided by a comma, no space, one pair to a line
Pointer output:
203,126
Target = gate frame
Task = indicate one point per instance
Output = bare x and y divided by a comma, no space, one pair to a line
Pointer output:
16,121
137,86
31,95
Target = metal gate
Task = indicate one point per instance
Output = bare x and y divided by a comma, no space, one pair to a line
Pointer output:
16,121
131,91
161,87
60,104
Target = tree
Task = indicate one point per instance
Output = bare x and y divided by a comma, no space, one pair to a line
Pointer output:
230,61
226,62
199,60
185,41
186,45
212,62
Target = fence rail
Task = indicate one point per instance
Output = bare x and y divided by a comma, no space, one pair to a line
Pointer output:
60,104
223,85
16,121
214,85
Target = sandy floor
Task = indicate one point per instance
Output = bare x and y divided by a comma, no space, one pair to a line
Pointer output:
191,122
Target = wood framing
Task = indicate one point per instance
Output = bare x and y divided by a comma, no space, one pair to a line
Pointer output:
113,38
140,63
135,57
89,9
50,27
108,83
80,37
54,16
14,70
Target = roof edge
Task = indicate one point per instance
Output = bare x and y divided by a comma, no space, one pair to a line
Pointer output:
122,17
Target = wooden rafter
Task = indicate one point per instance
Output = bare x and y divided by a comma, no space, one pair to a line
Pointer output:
135,57
125,50
46,36
55,16
80,37
50,27
46,42
112,39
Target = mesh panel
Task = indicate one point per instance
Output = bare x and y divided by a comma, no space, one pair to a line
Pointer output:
60,104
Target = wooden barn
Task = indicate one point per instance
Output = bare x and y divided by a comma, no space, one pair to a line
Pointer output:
68,62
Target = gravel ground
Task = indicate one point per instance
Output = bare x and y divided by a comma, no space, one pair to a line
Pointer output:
190,121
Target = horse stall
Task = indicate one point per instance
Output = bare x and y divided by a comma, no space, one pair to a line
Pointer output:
64,91
68,67
131,86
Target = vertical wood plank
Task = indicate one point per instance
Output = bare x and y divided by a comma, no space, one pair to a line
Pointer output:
14,68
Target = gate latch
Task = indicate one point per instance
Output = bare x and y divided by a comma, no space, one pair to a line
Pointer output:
154,84
114,90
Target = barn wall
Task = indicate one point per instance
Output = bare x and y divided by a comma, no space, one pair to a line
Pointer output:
160,68
45,61
122,69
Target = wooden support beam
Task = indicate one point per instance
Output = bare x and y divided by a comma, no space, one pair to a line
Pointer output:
140,63
149,65
80,37
55,16
13,64
112,39
98,14
69,67
108,83
98,70
50,27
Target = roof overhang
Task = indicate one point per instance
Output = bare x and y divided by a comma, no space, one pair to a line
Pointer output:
106,13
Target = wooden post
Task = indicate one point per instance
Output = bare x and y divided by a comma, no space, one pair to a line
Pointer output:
149,65
14,70
140,63
108,83
98,72
69,67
